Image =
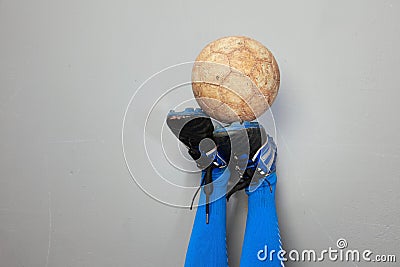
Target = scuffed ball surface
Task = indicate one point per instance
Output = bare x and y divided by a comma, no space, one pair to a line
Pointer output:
235,78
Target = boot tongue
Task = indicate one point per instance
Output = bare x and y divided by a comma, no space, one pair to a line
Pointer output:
194,153
224,145
256,139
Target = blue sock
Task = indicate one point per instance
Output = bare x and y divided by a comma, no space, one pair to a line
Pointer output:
207,245
262,231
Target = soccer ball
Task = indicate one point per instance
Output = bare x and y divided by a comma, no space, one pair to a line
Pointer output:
235,78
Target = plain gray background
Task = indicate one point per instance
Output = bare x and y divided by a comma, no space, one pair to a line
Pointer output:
69,68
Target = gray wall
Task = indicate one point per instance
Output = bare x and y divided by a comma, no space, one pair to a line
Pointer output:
69,68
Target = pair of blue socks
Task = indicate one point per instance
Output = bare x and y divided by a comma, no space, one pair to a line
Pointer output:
261,245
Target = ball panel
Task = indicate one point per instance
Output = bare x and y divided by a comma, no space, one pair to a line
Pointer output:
238,84
227,45
209,72
207,92
226,113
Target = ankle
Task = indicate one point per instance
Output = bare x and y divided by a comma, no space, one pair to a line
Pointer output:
220,178
265,185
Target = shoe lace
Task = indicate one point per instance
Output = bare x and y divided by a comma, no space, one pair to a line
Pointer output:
250,174
208,188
